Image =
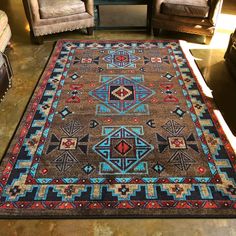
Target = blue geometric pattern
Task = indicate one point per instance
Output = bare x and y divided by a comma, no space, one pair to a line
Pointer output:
120,95
123,151
121,58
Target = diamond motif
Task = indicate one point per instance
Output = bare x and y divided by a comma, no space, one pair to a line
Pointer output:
121,94
88,168
123,147
168,76
178,111
123,159
121,58
159,168
64,113
74,76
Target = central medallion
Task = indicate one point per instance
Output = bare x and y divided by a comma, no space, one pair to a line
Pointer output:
121,95
121,92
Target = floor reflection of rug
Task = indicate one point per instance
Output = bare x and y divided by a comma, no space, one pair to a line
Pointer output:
119,129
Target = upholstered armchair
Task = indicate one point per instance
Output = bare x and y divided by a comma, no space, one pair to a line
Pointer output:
53,16
5,31
189,16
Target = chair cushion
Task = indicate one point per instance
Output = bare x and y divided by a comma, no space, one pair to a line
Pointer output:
5,37
59,8
3,21
190,8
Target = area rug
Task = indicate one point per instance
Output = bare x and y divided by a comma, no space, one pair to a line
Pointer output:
119,129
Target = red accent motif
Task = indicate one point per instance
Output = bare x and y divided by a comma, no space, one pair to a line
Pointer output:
121,58
74,92
68,143
86,60
123,147
201,170
156,59
177,142
44,171
167,90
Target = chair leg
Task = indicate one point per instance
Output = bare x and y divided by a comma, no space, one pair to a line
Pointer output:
36,39
207,40
90,30
156,31
10,45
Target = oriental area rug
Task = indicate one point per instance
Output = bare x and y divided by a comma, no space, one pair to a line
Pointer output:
119,129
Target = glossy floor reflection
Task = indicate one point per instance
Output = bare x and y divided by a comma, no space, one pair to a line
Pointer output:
28,62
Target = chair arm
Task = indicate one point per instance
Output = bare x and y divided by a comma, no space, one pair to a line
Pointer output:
89,6
157,6
215,9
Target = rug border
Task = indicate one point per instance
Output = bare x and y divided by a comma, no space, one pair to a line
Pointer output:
28,103
116,213
201,82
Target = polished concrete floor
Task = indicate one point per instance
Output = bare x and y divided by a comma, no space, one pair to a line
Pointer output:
28,62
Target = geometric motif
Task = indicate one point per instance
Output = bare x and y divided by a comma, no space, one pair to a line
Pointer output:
65,161
123,151
88,169
167,90
86,60
151,123
173,127
121,95
178,111
64,112
93,124
74,93
158,168
72,127
68,143
181,160
121,58
175,141
168,76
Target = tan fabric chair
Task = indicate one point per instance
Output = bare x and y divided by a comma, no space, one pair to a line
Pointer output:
53,16
5,31
189,16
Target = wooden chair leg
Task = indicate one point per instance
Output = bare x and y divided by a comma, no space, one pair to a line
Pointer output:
90,30
36,39
207,40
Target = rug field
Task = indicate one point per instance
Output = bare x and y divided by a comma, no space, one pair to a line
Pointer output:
119,129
